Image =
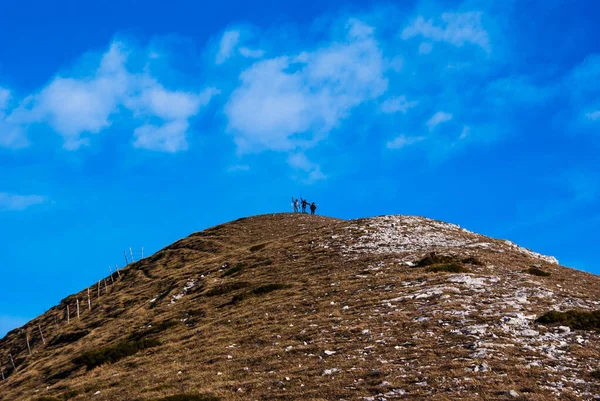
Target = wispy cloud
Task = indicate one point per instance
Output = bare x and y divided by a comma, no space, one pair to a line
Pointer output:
4,97
454,28
169,137
251,53
438,118
397,104
584,87
301,162
15,202
403,141
11,136
594,115
227,46
425,48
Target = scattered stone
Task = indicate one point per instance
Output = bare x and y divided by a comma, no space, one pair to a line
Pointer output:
483,367
328,372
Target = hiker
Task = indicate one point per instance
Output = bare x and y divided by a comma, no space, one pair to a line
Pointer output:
313,207
296,206
304,204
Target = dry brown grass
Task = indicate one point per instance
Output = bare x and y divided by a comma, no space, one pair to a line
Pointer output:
296,299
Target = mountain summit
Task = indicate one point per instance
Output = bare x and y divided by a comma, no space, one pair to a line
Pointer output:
301,307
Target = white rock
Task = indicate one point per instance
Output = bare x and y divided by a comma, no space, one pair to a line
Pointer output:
328,353
328,372
481,368
564,329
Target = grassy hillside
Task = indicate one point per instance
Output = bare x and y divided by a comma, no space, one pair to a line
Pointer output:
307,307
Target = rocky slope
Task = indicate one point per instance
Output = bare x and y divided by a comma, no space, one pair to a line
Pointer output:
293,306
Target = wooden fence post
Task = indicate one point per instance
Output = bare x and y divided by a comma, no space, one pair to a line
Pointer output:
131,253
118,272
89,301
12,362
105,287
142,252
126,261
68,316
78,309
41,334
2,370
27,339
98,288
112,281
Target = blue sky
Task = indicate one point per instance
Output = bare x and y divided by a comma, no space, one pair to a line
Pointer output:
133,124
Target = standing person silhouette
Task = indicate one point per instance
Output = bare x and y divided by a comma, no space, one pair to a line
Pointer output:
294,205
313,207
304,204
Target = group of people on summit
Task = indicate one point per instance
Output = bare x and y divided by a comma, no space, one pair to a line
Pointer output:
303,202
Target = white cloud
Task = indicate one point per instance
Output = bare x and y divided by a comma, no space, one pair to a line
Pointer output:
438,118
175,108
251,53
287,102
594,116
169,137
403,141
77,107
14,202
170,105
454,28
229,42
395,104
